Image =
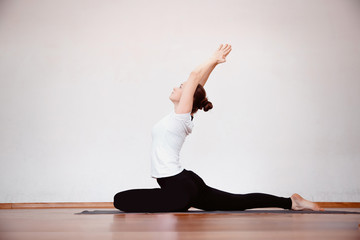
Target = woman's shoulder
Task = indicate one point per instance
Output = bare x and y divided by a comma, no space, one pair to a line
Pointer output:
181,121
181,116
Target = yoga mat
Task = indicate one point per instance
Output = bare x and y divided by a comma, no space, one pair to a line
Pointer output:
214,212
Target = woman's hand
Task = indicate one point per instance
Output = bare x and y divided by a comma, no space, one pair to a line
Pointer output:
221,53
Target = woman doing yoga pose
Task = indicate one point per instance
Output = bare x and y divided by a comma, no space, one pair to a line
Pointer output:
181,189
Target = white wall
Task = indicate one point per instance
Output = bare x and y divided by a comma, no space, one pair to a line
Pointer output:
82,82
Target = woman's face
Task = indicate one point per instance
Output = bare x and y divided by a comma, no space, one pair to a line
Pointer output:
176,93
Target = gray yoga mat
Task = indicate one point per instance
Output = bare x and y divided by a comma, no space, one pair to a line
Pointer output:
214,212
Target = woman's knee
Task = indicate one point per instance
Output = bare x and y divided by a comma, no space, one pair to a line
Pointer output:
117,200
151,200
122,201
138,200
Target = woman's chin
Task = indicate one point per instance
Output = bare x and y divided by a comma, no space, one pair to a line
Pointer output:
172,100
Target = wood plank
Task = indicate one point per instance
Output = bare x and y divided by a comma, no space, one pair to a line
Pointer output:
62,205
339,204
5,205
110,205
59,224
235,235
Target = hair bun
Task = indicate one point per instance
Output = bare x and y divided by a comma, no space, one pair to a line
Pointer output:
205,105
200,100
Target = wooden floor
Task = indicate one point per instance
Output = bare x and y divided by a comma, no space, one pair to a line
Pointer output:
64,224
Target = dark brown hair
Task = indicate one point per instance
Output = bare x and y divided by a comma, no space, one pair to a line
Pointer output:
200,100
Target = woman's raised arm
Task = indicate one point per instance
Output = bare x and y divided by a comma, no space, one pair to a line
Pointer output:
199,76
219,56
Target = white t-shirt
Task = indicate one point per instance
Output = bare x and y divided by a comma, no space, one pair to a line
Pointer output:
168,136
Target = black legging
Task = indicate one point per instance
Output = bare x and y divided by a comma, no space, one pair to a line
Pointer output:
180,192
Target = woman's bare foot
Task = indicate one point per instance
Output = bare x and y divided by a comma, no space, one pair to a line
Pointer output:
300,203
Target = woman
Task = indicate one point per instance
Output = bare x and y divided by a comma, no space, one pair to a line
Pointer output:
180,188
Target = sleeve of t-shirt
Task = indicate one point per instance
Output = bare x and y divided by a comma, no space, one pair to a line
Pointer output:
182,116
180,122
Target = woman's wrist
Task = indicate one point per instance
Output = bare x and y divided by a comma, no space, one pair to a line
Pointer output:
213,60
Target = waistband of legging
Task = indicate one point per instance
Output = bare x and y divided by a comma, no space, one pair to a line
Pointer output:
174,176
